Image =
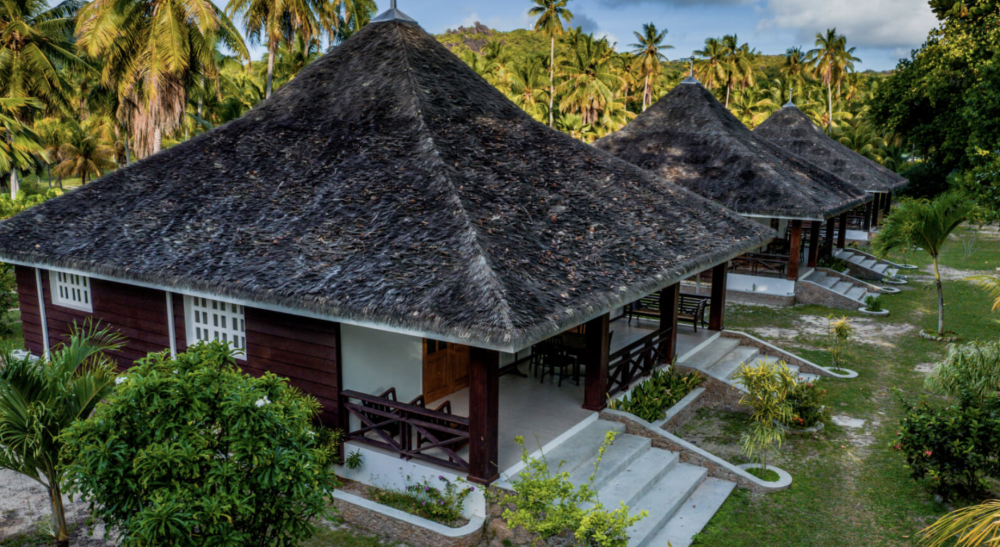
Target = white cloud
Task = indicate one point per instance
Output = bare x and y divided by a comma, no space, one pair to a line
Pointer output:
897,24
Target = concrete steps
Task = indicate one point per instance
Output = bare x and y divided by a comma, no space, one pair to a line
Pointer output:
848,289
877,269
679,497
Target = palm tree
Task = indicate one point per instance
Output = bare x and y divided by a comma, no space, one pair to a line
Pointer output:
590,81
858,135
152,51
342,18
973,526
648,48
83,156
39,399
924,224
551,14
19,145
274,21
795,68
712,68
527,87
991,284
831,60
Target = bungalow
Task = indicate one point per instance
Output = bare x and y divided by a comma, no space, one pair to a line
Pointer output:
395,236
691,139
790,129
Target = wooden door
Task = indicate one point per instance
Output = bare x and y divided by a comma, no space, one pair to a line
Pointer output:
446,369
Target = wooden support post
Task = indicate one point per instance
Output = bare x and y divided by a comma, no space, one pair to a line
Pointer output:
842,235
887,206
866,219
814,244
876,210
484,415
595,359
795,250
831,226
670,299
717,309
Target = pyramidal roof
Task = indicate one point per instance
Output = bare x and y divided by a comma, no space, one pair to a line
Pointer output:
792,130
390,186
689,138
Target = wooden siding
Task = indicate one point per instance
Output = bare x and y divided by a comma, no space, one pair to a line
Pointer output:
304,350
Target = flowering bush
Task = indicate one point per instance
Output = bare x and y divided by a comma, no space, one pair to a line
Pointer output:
192,451
806,400
442,503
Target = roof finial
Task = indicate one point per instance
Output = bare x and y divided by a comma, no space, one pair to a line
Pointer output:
691,79
392,14
790,102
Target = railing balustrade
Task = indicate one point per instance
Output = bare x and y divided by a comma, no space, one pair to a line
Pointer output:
636,360
758,264
391,425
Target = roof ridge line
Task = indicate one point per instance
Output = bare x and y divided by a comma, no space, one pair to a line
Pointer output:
490,274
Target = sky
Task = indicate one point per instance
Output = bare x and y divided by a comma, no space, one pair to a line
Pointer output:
883,30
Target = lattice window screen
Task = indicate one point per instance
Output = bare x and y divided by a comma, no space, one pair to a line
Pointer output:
70,290
215,320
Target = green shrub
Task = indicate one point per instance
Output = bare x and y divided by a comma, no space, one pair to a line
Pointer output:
8,298
651,399
547,503
806,400
956,447
443,505
873,302
832,263
194,452
767,386
970,373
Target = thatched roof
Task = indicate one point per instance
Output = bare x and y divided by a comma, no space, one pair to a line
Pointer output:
390,186
691,139
792,130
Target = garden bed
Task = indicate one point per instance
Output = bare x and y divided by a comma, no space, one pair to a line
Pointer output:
410,501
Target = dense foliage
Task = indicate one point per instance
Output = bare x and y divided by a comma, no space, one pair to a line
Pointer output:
957,445
941,98
766,386
194,452
41,399
651,399
806,401
546,503
442,503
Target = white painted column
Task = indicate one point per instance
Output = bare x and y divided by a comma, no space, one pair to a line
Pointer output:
41,313
171,328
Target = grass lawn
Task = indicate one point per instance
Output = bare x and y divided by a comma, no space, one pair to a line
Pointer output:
850,487
984,255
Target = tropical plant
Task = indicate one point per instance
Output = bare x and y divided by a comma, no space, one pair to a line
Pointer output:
151,53
354,460
551,14
712,66
924,224
969,372
831,60
806,401
591,83
766,387
8,298
545,502
19,145
40,399
839,332
425,499
991,284
795,69
973,526
648,51
873,302
651,399
83,156
192,447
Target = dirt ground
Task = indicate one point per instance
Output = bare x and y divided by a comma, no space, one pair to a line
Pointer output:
25,509
866,331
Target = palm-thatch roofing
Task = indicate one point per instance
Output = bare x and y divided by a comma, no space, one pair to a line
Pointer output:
390,186
792,130
691,139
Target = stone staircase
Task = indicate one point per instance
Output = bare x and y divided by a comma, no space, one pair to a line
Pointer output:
679,497
873,267
847,289
721,359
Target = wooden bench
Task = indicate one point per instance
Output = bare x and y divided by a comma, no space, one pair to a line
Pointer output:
690,308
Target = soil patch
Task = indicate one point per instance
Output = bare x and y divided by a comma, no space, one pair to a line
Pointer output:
866,331
25,509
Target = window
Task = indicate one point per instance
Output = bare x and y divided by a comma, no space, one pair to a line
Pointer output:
208,319
70,291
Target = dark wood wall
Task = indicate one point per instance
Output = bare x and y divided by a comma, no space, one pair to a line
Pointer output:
137,313
304,350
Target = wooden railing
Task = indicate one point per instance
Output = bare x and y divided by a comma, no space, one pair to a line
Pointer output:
635,361
760,264
412,431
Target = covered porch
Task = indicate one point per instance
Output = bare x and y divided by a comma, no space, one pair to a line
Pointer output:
472,430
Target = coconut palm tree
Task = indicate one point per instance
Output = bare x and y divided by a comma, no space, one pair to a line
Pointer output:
924,224
551,14
528,87
274,21
973,526
712,66
831,60
991,284
858,135
83,156
152,51
647,49
795,68
39,399
19,145
342,18
590,79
